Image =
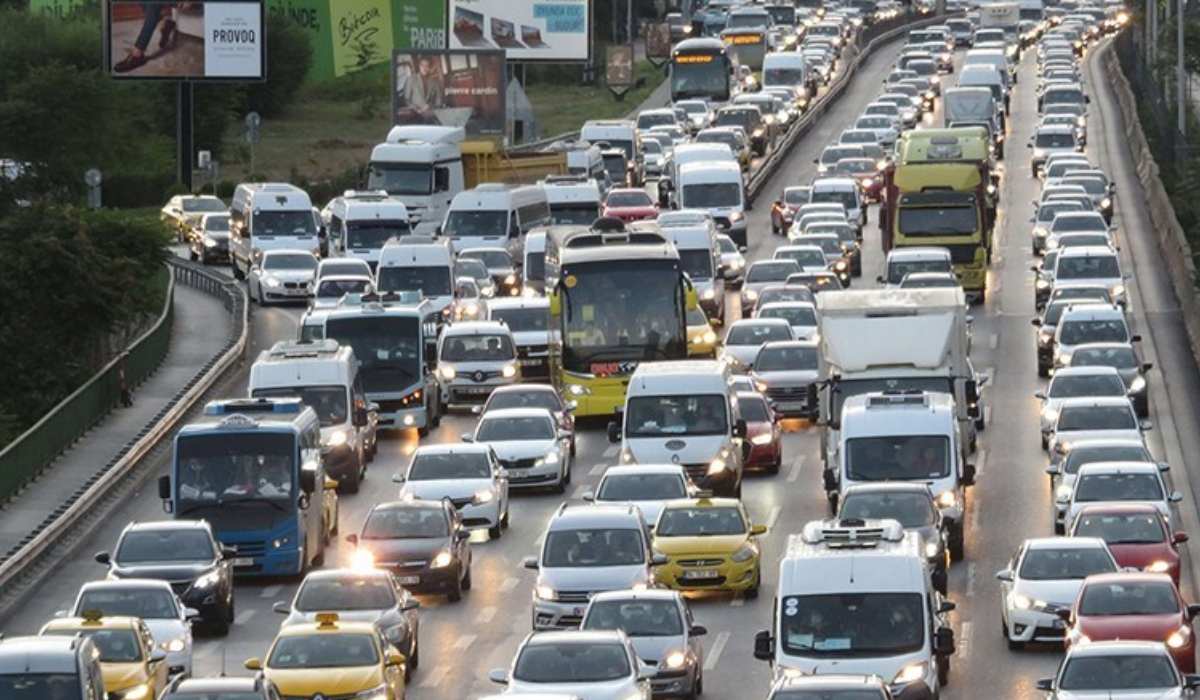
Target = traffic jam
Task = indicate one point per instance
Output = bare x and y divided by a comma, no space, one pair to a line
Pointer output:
648,427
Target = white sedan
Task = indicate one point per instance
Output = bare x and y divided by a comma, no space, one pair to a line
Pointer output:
1076,383
591,665
469,475
1126,670
529,444
282,275
1120,482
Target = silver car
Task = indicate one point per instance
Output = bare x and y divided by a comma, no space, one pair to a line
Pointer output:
169,622
588,665
529,444
783,371
746,336
1065,468
1076,383
664,635
763,273
282,275
647,486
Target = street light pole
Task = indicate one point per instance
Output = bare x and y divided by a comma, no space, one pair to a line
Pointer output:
1180,73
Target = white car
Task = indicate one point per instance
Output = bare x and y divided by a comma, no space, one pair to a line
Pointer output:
800,315
647,486
746,336
592,665
810,257
1126,670
329,290
529,444
283,274
1063,471
1092,264
1121,482
1044,577
1092,381
1088,322
469,475
170,623
1085,419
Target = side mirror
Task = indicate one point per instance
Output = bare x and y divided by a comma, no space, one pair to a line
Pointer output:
968,474
228,552
659,560
360,417
698,630
498,675
1135,339
308,480
1052,470
1193,611
103,558
191,614
1035,321
1179,537
1147,366
253,664
461,535
1191,681
1005,575
352,539
1175,497
398,478
947,606
282,608
410,604
1046,684
164,487
879,279
1039,395
1145,425
588,496
330,484
467,437
530,563
1063,614
943,641
646,672
764,646
758,529
614,432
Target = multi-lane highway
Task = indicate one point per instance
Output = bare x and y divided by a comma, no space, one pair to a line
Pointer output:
460,642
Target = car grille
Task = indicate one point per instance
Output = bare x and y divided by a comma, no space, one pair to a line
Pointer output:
788,393
518,463
533,350
294,285
701,562
248,549
574,596
480,375
403,566
397,405
515,480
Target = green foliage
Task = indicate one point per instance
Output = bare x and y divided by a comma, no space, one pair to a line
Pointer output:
289,55
71,279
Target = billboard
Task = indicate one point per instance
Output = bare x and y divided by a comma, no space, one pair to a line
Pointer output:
527,30
450,88
213,40
618,72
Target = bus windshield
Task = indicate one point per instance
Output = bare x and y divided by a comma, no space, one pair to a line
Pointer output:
476,222
388,348
700,75
216,469
620,311
284,223
582,214
328,401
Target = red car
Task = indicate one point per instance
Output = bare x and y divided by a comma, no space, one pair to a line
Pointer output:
784,209
763,432
630,204
1137,534
1134,607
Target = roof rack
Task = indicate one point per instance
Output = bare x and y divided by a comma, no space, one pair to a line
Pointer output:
852,533
232,407
295,349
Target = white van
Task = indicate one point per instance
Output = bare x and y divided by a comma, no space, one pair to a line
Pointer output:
839,582
588,163
904,261
495,215
421,166
361,222
695,152
995,58
684,412
268,215
617,133
574,200
418,264
533,268
980,75
844,191
718,188
787,69
324,375
695,237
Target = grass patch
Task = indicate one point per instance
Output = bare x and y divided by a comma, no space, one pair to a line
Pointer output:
563,108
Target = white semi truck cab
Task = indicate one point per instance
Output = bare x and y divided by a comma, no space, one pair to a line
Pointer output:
422,166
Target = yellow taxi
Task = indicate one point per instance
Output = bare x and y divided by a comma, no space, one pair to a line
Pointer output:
710,544
132,666
702,339
333,658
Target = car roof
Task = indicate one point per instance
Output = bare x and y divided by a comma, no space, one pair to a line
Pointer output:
631,469
575,637
222,684
451,448
888,487
526,412
1083,371
1094,402
1065,543
595,515
643,594
168,525
1124,648
332,574
1123,467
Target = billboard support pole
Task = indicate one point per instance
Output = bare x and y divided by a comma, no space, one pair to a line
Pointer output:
183,131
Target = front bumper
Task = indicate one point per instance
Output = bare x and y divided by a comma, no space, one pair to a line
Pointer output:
701,572
536,476
392,414
1035,626
484,515
552,615
341,461
460,392
423,578
917,690
674,683
765,455
602,396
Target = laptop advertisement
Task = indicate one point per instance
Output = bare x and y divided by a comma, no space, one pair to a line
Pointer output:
526,30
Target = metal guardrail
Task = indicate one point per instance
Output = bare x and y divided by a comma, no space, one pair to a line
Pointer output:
25,457
58,522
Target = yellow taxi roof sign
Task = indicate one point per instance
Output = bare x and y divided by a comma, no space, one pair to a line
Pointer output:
92,616
327,619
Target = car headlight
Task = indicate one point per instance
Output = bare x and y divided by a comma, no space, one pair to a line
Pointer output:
377,693
1179,637
1158,567
175,645
447,372
256,254
578,390
626,456
1049,414
735,217
207,580
1138,385
1040,232
991,189
709,337
745,553
510,279
1105,203
932,549
840,266
362,559
336,438
1042,283
717,466
1039,153
1062,493
1064,359
764,439
442,560
1021,602
675,660
271,282
947,499
550,457
509,371
546,592
209,242
910,673
137,692
483,496
1118,290
758,132
750,294
935,79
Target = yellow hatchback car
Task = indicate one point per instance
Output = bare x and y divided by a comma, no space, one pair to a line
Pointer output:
702,339
132,666
335,659
710,544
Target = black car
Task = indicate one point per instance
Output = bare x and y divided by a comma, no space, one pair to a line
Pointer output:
424,543
252,688
185,554
208,238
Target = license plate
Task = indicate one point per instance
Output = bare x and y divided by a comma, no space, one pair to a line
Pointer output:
475,389
530,363
409,580
701,573
790,405
243,561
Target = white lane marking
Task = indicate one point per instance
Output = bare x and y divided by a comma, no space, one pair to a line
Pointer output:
994,341
737,601
797,467
611,451
773,517
596,470
964,642
971,580
243,617
434,679
508,584
270,591
710,661
464,641
486,614
981,462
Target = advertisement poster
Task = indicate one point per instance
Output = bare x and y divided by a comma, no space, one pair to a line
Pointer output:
527,30
450,88
618,72
185,40
362,34
658,43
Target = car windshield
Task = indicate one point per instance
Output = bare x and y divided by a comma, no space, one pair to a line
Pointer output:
217,223
847,198
492,259
572,662
432,281
470,267
700,522
852,624
323,650
165,545
594,547
513,428
453,465
794,315
578,214
771,271
909,509
476,223
1071,386
757,333
1115,672
521,320
1096,418
329,402
1088,267
405,523
1048,211
854,166
283,223
1103,331
1053,564
39,686
933,281
786,358
1129,598
336,289
116,645
1118,487
1119,357
898,457
833,154
1121,528
289,261
1080,456
637,618
674,415
641,487
146,603
478,348
1064,139
754,409
1093,185
697,263
795,196
712,194
898,269
629,199
523,399
319,594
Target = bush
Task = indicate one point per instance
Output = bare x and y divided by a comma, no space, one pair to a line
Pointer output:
289,56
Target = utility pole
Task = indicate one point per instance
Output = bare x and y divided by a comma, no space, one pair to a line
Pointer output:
1180,74
1152,6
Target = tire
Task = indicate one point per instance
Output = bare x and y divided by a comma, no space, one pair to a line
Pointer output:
319,559
351,483
567,475
752,592
466,581
773,468
237,271
423,432
414,661
1043,370
504,520
192,256
737,490
561,487
455,593
957,547
495,531
943,671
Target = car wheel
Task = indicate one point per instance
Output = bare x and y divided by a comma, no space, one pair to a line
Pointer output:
773,468
237,271
752,592
351,483
192,255
943,671
700,683
1043,370
414,659
561,486
957,547
455,593
495,531
466,581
